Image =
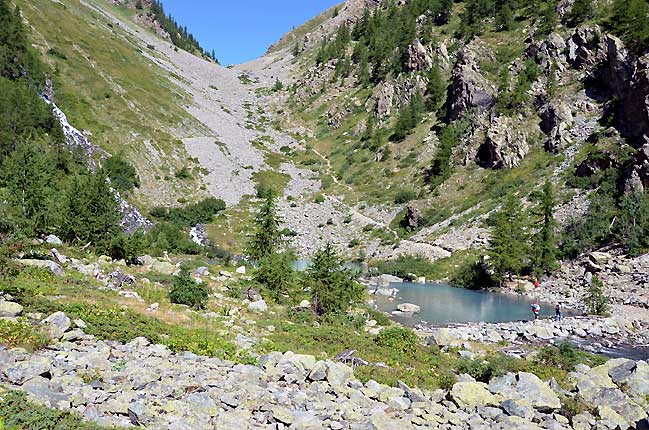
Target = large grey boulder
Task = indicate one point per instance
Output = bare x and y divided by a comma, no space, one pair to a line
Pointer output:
44,264
528,387
22,371
10,309
470,394
408,308
56,325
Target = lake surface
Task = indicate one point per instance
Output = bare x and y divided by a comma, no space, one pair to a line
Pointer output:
443,304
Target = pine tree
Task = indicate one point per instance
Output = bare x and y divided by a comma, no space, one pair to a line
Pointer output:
276,275
595,298
435,89
548,18
445,10
581,11
509,245
333,288
268,237
91,211
545,240
505,18
27,175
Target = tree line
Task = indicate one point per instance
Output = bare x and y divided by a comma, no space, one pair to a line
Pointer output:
180,35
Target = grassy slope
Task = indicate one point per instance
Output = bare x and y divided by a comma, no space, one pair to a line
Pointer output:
105,85
469,188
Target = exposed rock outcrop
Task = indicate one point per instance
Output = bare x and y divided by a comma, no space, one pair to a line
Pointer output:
505,145
556,119
419,56
469,90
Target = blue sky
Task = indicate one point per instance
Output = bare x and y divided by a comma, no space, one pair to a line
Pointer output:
241,30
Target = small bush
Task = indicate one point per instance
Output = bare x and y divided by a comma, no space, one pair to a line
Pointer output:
17,413
128,248
122,174
471,275
53,52
185,291
404,197
21,334
398,339
378,316
184,173
319,199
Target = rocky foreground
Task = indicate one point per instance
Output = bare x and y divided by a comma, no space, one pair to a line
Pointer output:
140,384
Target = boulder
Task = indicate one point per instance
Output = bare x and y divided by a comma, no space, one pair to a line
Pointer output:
45,264
22,371
472,394
411,219
56,324
385,280
53,240
241,270
408,308
10,309
338,374
528,387
441,337
556,120
258,306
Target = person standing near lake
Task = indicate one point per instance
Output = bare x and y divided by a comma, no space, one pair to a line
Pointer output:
535,310
558,315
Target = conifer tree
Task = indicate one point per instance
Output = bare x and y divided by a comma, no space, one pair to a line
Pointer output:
91,211
545,240
435,89
27,175
505,18
333,288
267,237
509,245
581,11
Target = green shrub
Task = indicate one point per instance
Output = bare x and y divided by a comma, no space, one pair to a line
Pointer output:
173,238
17,413
381,318
191,215
566,356
319,199
21,334
185,291
397,339
471,275
183,173
276,276
404,196
128,248
122,174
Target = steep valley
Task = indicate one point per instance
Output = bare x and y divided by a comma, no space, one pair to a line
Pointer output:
157,209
